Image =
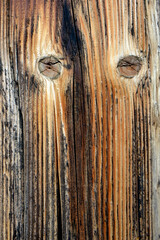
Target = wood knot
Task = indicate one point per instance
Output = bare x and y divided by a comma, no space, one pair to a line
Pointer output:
50,67
129,66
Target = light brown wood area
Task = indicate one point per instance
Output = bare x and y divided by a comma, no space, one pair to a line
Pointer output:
79,113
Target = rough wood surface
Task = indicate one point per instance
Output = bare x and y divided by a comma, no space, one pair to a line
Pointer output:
154,33
79,142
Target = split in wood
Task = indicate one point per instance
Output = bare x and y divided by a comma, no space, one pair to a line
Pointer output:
50,67
129,66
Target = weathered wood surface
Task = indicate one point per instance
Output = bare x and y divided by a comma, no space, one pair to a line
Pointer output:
79,155
154,33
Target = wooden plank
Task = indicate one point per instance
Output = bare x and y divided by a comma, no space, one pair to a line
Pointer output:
79,138
47,179
117,121
153,12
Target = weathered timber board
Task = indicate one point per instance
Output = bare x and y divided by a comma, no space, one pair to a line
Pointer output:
80,154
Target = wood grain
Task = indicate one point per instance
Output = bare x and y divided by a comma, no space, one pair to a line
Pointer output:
79,153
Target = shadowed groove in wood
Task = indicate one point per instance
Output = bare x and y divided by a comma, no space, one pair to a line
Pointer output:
75,154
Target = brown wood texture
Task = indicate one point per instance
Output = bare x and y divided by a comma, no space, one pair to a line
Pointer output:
79,144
